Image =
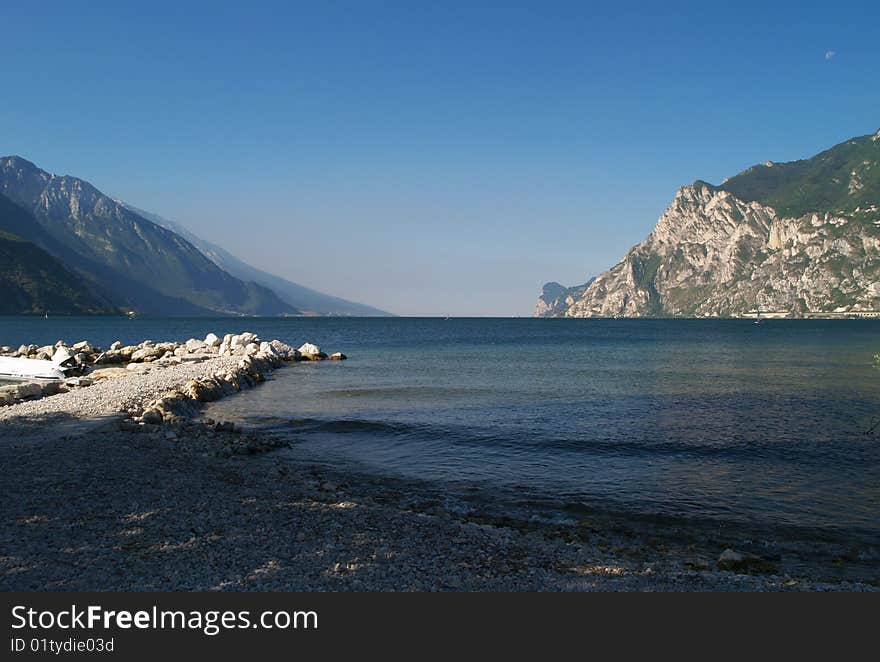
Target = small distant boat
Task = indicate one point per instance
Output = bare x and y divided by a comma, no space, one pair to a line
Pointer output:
19,369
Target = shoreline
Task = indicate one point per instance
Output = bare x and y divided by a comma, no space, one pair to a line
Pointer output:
98,500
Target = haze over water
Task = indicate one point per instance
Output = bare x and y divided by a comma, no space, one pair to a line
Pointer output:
708,420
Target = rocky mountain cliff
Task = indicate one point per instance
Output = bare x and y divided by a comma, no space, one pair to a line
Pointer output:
798,239
139,264
556,298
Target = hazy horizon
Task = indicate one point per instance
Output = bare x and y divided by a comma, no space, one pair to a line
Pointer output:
429,160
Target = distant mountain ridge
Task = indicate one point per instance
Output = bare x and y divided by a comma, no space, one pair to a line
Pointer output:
796,239
306,300
142,265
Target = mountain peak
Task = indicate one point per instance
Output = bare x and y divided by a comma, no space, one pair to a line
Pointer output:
18,162
799,238
136,262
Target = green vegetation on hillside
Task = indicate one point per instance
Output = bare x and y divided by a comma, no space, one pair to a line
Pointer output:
839,180
33,282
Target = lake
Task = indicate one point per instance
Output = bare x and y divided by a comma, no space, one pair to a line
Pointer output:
715,421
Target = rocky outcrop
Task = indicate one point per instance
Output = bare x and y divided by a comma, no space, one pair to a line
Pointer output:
182,403
555,298
311,352
714,252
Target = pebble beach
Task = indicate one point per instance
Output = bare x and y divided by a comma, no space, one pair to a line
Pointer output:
122,484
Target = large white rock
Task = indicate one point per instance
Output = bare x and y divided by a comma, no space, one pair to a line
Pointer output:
148,353
83,346
284,350
309,349
62,355
211,340
247,338
194,345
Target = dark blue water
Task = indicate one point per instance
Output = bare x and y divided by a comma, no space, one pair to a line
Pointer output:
710,420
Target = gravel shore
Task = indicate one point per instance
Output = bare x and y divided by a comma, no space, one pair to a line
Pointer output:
114,397
104,505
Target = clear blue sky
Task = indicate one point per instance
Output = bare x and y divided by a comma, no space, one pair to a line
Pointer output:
429,157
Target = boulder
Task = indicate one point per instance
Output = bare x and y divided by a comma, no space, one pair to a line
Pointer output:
52,388
251,348
284,350
112,357
732,560
225,346
337,356
211,340
148,353
63,356
30,390
729,558
115,346
309,349
194,345
247,338
202,391
152,417
83,346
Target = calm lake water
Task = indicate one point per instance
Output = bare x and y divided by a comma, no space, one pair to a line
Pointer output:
706,420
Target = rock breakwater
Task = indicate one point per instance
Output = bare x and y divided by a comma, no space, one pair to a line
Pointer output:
151,382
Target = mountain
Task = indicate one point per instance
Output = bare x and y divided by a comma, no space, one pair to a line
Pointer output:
303,298
555,298
34,282
137,263
799,239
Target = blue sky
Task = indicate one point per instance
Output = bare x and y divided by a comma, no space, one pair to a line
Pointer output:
429,158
